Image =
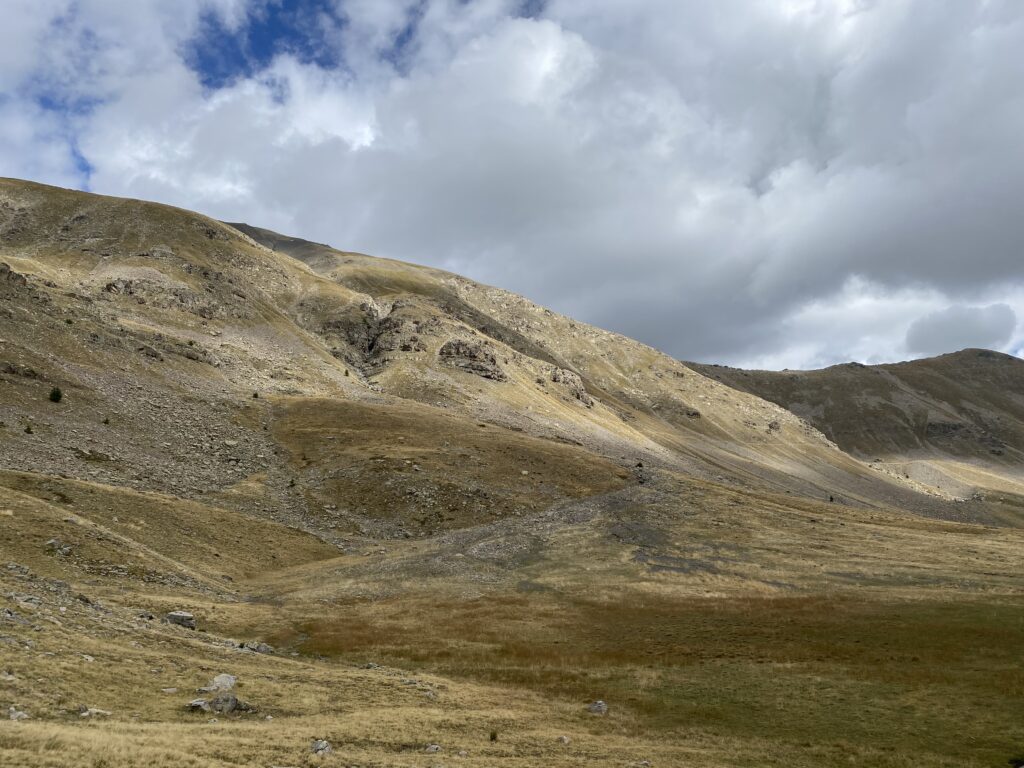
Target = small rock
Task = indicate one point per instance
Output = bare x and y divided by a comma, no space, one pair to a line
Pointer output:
168,690
432,749
256,647
57,547
15,714
321,747
181,618
598,708
84,711
198,705
564,740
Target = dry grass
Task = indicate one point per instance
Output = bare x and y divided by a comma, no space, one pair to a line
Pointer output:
916,679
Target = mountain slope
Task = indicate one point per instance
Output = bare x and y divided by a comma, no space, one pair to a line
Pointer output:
452,513
955,421
167,311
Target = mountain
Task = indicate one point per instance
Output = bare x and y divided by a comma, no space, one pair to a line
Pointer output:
405,509
955,422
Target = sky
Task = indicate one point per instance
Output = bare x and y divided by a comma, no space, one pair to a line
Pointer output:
763,183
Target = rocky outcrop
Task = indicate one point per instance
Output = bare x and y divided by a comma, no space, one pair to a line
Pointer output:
11,278
573,384
168,294
181,618
472,357
368,336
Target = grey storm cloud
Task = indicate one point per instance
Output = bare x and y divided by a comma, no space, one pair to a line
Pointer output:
774,183
959,327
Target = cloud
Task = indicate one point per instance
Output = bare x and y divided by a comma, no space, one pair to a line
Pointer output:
763,183
959,327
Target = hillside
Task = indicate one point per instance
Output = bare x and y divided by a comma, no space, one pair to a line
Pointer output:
955,421
406,509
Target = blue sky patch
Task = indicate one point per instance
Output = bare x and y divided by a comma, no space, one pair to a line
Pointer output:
397,53
301,28
531,9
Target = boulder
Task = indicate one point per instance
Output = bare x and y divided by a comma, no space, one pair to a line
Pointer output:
221,704
225,704
321,747
223,682
16,714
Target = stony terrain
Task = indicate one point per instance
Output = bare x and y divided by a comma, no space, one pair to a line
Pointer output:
266,503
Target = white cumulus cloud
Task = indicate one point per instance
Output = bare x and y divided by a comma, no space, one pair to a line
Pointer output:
765,183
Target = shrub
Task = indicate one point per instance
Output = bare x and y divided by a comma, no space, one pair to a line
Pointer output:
56,395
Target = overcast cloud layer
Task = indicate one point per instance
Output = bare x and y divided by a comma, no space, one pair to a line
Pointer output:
786,183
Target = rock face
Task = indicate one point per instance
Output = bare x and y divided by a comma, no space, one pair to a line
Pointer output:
472,357
10,277
572,382
182,619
